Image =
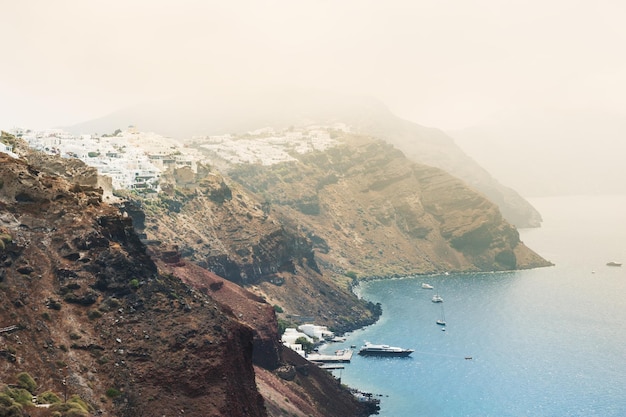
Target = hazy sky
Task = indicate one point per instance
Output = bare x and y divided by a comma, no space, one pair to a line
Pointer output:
442,63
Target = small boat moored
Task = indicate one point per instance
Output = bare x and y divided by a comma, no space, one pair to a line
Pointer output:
427,286
613,263
442,320
437,299
370,349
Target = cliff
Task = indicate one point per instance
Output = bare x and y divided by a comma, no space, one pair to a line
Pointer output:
370,210
217,115
87,312
220,226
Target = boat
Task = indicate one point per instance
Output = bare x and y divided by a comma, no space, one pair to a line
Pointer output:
427,286
370,349
437,299
613,263
442,320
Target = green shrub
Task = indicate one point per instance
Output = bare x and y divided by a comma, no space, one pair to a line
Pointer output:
27,382
5,400
112,393
79,402
94,314
48,397
307,346
19,395
351,274
68,409
282,325
14,410
278,308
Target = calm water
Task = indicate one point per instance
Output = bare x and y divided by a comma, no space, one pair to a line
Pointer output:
545,342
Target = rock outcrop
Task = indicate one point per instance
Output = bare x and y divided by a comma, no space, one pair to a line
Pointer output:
368,209
226,230
86,311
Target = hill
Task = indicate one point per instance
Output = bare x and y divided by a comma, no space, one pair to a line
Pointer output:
186,117
94,325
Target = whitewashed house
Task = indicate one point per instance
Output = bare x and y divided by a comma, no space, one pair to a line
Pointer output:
318,332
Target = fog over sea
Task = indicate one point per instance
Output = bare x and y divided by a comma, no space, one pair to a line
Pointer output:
543,342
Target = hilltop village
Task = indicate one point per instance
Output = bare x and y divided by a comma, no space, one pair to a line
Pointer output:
134,160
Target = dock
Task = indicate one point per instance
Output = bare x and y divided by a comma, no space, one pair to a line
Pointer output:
342,355
330,366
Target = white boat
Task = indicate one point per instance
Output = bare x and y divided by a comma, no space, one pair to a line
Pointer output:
613,263
437,299
442,320
427,286
370,349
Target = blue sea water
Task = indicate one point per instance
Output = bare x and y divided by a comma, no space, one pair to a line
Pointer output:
543,342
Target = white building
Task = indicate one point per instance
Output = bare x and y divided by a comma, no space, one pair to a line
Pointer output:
8,149
291,335
289,340
318,332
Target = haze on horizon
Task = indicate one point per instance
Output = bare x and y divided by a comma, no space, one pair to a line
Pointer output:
534,90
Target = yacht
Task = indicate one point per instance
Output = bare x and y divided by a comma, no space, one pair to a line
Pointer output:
370,349
427,286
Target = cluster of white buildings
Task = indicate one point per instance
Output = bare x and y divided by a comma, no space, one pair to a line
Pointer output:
133,160
310,332
268,146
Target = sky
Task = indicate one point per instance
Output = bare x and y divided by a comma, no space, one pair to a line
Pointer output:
457,65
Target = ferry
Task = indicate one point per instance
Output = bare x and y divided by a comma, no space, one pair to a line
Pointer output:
370,349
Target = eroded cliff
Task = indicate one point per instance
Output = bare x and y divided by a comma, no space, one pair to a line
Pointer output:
86,311
370,210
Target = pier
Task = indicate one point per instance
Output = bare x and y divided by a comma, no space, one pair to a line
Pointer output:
342,355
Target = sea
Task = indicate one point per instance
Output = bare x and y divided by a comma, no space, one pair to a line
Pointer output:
543,342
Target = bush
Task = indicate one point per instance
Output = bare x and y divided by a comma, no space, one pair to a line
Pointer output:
278,308
14,410
79,402
282,325
351,274
307,346
94,314
112,393
48,397
19,395
68,410
5,400
27,382
74,407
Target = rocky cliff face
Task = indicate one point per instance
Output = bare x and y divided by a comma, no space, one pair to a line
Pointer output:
84,303
368,209
433,147
226,230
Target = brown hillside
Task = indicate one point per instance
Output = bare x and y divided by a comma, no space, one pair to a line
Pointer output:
82,301
369,209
